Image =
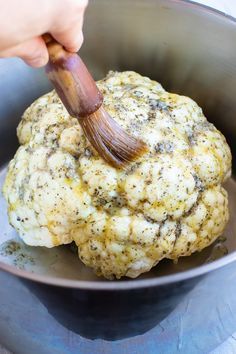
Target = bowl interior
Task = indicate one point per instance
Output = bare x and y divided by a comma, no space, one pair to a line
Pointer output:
163,39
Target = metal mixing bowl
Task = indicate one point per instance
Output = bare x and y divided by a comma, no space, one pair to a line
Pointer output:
191,50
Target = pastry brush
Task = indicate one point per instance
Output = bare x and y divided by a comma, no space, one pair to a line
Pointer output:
83,100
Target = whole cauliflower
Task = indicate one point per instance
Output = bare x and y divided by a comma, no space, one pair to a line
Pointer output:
167,204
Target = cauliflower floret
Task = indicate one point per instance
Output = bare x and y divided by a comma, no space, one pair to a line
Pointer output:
169,203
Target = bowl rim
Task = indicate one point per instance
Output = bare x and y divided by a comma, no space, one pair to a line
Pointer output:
120,284
132,283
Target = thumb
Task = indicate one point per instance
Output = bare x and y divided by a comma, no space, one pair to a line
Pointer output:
33,52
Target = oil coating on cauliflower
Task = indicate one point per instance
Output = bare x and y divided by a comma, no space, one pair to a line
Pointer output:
167,204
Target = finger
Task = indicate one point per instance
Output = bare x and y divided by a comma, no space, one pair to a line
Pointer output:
69,33
71,39
33,52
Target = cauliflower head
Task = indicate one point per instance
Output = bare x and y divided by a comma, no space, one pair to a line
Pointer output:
167,204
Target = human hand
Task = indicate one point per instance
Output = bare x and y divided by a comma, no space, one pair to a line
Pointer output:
23,22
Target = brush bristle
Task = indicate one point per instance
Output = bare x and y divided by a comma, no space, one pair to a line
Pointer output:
110,140
82,99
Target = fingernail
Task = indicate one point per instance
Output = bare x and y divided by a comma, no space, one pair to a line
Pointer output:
37,62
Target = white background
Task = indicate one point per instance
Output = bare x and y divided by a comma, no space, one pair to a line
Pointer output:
227,6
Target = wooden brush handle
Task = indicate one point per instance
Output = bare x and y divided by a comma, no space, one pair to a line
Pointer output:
72,80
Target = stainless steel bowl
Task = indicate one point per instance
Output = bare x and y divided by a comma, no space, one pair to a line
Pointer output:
191,50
